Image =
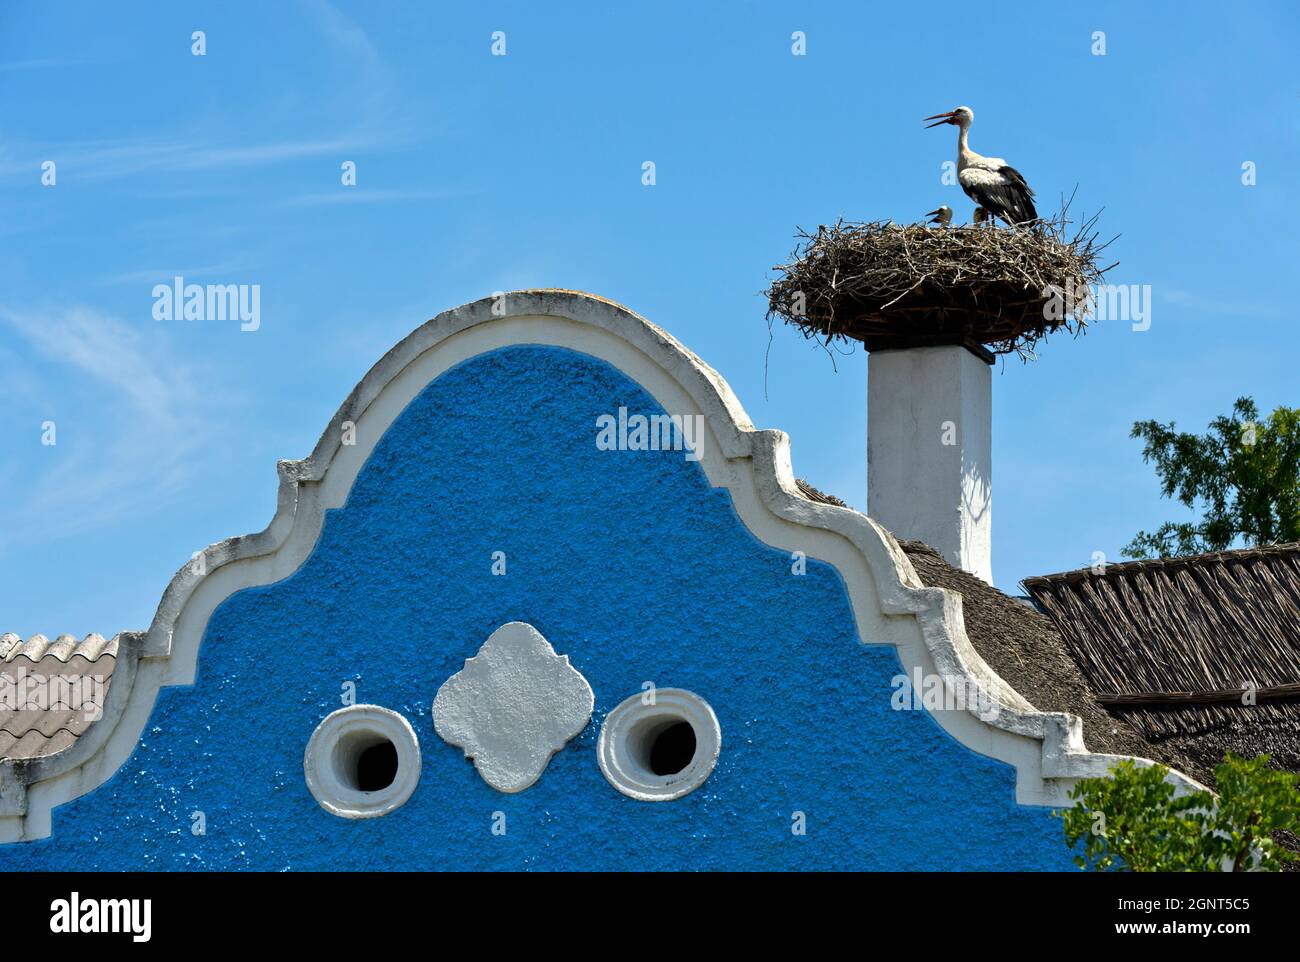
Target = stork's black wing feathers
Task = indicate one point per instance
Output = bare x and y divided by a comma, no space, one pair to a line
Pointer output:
1012,200
1017,178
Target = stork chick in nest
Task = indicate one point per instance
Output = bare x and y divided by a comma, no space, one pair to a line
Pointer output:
942,216
989,181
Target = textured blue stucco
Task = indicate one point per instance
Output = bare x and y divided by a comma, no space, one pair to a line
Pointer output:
628,562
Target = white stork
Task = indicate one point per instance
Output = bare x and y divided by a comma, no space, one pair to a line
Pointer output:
942,216
998,188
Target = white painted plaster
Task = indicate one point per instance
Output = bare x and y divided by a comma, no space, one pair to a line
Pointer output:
626,737
329,763
890,605
930,451
514,705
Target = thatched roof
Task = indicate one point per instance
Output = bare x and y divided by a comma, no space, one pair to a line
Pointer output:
1039,656
1190,625
1170,643
813,494
1026,650
890,285
1036,657
1140,622
1201,619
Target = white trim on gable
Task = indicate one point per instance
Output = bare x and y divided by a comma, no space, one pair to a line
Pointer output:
890,604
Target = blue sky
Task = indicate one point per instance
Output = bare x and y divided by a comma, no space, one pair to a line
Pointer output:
478,173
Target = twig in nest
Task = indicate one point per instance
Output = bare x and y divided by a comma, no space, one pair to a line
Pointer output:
889,285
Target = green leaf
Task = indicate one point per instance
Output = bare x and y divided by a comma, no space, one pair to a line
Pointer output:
1242,477
1133,821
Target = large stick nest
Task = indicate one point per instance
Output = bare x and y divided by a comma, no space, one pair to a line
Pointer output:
889,285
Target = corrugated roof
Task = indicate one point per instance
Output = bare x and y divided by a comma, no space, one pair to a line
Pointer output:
74,676
63,647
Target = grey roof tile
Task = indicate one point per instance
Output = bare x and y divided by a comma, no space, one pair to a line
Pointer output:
32,732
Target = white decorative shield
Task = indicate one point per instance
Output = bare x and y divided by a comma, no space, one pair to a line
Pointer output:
514,705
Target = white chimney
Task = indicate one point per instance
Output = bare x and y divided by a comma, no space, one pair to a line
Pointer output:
930,450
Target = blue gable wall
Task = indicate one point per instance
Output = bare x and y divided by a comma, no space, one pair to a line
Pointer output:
628,562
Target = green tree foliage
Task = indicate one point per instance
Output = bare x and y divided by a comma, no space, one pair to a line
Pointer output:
1246,474
1132,821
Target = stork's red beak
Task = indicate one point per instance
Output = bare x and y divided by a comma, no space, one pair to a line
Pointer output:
945,118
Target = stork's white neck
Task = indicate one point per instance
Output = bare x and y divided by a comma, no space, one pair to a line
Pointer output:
964,154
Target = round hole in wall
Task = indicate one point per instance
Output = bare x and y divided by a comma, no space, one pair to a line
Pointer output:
365,761
655,752
362,761
670,747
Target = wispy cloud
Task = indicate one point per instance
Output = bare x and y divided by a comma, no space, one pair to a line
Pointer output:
1200,303
375,84
129,418
356,195
15,65
122,159
163,275
369,94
